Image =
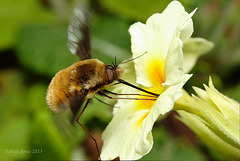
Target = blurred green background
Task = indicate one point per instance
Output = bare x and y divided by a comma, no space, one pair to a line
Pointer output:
33,35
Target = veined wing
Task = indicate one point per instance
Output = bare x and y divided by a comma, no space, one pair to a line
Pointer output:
78,33
77,101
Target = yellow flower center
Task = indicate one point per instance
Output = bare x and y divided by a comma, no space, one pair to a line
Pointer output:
156,75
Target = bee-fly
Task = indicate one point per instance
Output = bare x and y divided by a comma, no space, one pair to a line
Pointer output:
79,82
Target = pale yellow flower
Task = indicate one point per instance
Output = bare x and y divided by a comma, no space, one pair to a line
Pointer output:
160,71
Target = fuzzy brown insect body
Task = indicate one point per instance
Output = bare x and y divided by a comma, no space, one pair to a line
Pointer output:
73,85
79,82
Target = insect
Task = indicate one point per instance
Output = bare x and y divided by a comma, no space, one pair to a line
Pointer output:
81,81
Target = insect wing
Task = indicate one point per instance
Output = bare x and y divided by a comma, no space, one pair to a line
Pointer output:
78,33
77,101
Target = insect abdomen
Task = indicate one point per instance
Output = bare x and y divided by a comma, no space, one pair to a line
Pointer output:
57,93
71,86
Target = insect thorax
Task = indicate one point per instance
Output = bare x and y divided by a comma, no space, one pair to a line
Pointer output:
88,74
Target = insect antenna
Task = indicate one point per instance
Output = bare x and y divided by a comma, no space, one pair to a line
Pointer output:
114,64
129,84
129,59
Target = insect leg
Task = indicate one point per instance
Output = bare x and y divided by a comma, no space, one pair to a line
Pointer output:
103,102
86,129
107,91
103,94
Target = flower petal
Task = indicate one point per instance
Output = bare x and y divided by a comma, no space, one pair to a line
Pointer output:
163,26
140,44
129,135
166,100
122,134
157,36
193,49
139,38
173,63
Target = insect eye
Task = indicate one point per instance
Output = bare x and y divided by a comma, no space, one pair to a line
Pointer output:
110,75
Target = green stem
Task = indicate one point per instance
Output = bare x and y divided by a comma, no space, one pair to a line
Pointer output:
186,103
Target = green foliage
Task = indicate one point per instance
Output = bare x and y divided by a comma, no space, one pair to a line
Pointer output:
14,139
14,14
27,126
113,43
47,45
45,139
43,48
129,10
166,147
14,123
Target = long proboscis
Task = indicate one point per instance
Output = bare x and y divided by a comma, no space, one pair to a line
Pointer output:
138,88
131,85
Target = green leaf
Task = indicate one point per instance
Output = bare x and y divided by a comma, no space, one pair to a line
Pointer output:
47,139
12,96
139,9
14,138
36,98
14,121
43,49
15,14
110,39
167,147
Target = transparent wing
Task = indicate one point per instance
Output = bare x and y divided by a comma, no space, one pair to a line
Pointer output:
78,33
